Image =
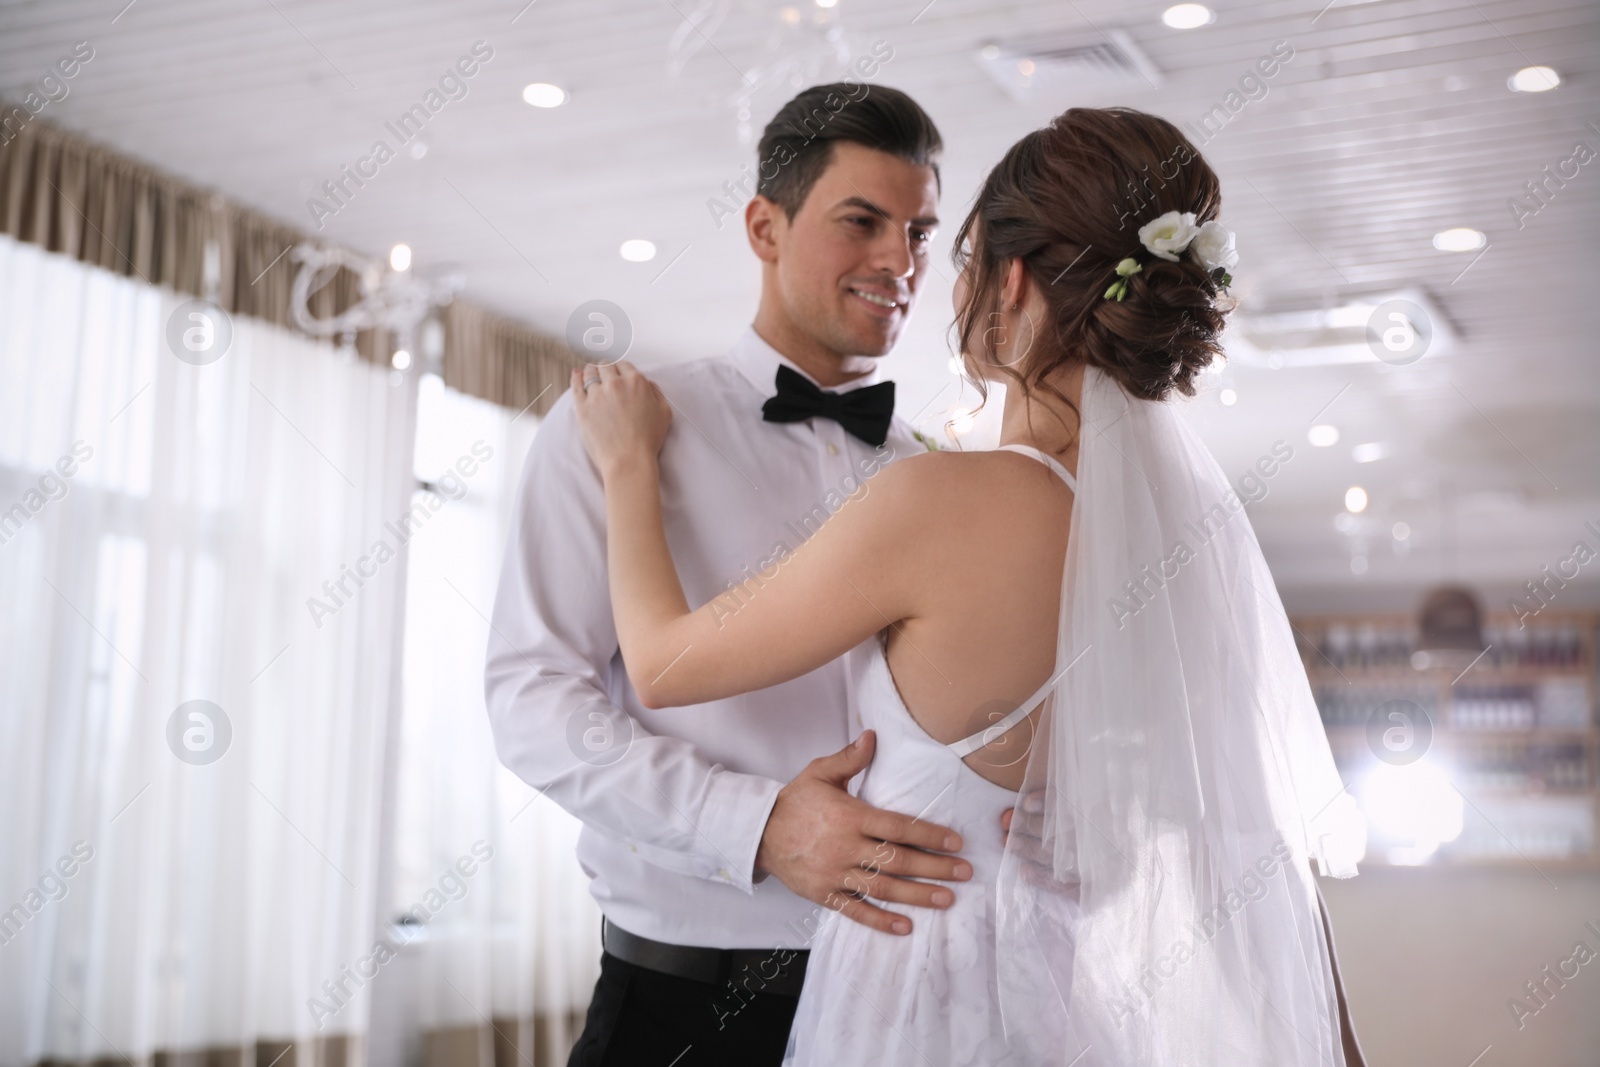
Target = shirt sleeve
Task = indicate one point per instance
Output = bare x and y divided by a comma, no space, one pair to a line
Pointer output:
552,649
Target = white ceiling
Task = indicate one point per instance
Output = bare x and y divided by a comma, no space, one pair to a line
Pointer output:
1392,121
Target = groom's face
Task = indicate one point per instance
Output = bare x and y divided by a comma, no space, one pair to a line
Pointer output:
851,262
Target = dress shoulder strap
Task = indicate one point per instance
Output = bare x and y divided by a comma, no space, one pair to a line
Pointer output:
1047,459
990,734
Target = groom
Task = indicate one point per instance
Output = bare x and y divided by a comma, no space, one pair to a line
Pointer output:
715,835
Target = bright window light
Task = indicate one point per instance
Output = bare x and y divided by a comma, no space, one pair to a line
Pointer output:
1414,806
1342,829
1355,500
1322,435
1533,80
1187,16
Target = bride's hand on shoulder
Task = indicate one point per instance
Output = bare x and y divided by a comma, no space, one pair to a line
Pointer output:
622,416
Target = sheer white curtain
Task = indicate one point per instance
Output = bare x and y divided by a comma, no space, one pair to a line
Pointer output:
284,867
510,951
164,529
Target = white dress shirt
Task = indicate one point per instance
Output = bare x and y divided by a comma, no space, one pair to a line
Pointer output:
673,801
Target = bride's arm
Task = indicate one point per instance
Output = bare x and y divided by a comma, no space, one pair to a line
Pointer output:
850,580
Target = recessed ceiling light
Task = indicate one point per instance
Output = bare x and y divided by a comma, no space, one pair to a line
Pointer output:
543,94
826,3
1322,435
400,257
1369,452
1188,16
1355,500
1228,398
1459,239
402,359
638,251
1533,80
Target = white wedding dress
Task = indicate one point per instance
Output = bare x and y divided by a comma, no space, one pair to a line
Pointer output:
929,998
1161,909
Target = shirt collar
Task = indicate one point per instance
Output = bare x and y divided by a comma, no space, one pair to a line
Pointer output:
759,362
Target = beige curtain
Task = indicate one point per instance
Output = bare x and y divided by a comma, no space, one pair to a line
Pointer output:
72,196
501,360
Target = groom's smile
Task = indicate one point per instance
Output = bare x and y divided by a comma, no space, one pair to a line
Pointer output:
887,303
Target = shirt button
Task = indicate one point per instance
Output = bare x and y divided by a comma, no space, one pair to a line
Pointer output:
833,449
632,847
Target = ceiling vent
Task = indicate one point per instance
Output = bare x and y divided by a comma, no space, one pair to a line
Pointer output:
1398,328
1054,71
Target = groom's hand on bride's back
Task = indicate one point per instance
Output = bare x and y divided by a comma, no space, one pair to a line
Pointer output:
838,851
1023,832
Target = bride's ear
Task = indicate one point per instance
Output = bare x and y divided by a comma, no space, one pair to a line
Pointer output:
1013,290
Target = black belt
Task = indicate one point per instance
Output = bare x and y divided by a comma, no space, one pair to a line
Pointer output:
755,970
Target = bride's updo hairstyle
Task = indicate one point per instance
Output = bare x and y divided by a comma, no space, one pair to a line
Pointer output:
1068,200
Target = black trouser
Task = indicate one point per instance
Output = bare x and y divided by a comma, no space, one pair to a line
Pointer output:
649,1019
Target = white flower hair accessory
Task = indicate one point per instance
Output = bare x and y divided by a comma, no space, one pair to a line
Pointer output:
1170,236
1212,247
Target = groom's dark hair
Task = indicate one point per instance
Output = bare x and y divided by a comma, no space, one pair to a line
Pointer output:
797,145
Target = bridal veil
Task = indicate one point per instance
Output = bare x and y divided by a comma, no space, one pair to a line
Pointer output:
1156,904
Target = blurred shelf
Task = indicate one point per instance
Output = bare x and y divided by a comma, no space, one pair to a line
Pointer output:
1479,675
1444,731
1526,712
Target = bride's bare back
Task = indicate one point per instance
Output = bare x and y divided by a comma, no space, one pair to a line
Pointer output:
983,635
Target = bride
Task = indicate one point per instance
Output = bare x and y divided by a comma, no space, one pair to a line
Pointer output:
1082,619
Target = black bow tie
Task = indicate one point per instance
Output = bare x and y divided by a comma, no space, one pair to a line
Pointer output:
864,412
